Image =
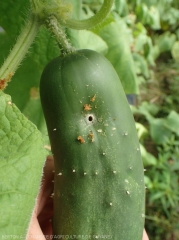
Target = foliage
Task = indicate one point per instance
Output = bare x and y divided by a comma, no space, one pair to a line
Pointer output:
154,26
159,114
20,144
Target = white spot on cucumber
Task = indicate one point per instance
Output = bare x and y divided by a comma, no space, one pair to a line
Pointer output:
54,129
84,173
110,204
100,120
60,174
73,170
100,130
114,172
128,192
125,134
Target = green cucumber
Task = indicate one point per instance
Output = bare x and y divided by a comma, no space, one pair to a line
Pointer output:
99,184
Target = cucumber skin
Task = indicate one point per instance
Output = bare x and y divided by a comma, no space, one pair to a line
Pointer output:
99,182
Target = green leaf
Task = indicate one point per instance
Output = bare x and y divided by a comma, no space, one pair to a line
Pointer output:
147,158
154,18
172,122
33,111
159,130
77,7
22,156
142,131
149,15
119,54
121,7
156,196
142,64
14,12
166,41
175,51
87,40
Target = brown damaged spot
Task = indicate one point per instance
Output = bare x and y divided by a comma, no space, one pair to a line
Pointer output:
4,82
87,107
93,98
34,93
80,139
91,136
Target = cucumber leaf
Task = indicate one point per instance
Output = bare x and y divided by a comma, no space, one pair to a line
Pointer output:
22,156
119,55
87,40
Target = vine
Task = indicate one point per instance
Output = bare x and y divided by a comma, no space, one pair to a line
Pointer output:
19,50
90,22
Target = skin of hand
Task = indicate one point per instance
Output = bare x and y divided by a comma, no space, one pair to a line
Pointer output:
40,224
40,227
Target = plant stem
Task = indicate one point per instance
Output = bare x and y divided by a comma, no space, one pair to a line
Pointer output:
90,22
55,28
20,48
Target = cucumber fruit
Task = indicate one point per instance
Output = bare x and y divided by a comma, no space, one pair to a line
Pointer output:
99,184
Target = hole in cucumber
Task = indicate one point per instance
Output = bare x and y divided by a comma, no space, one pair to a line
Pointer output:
90,118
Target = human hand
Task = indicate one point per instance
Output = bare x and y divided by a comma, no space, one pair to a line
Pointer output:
145,237
40,225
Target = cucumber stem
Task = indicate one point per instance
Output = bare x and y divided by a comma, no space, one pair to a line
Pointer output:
20,49
54,27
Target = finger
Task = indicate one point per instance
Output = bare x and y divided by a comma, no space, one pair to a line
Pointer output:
45,217
34,230
47,185
145,237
